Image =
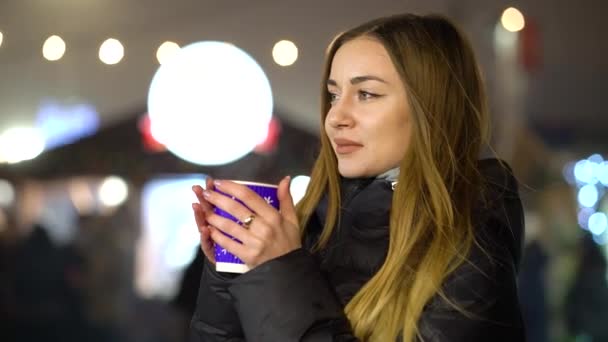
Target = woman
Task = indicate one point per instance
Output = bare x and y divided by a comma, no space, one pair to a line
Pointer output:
403,233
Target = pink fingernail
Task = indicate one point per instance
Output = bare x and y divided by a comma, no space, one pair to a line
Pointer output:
217,183
206,193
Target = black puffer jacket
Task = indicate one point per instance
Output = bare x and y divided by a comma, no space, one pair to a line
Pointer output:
301,296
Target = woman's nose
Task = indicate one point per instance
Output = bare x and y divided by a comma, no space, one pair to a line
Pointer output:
340,114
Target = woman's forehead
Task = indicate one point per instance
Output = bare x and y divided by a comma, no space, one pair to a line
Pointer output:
362,56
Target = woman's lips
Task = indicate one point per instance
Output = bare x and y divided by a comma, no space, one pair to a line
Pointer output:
346,146
346,149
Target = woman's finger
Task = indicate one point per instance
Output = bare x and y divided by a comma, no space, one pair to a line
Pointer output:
198,191
227,204
288,209
229,244
261,206
230,227
209,183
205,232
207,244
199,216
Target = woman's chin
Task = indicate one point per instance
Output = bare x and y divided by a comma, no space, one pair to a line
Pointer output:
347,172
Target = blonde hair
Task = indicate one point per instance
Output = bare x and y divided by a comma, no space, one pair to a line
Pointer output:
431,229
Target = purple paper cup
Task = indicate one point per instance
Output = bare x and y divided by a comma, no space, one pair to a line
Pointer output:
224,260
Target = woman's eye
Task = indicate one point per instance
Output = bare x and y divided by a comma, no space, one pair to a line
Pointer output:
365,95
333,97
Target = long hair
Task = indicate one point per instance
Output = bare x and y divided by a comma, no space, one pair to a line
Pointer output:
431,229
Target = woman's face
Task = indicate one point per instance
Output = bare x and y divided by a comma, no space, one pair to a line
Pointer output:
369,122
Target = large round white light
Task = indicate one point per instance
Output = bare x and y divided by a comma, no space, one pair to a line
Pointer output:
210,104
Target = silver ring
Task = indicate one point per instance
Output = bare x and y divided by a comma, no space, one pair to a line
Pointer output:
247,222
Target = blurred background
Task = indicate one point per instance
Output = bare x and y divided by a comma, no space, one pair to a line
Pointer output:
111,110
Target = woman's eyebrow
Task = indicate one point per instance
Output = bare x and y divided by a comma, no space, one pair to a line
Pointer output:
358,79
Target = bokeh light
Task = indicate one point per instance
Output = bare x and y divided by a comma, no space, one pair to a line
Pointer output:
19,144
512,20
211,104
169,238
113,191
568,173
7,193
583,217
583,172
64,123
601,240
601,172
166,51
598,223
298,187
596,158
111,51
588,196
285,53
82,196
53,48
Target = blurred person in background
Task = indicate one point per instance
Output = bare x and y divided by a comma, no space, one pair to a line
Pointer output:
403,234
532,280
587,300
109,293
47,301
7,299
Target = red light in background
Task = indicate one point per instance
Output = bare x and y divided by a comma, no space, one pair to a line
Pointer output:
530,47
271,142
148,142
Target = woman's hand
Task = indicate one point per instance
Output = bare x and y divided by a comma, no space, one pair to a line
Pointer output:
271,234
201,211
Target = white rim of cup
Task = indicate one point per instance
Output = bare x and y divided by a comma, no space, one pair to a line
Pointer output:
254,183
231,267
